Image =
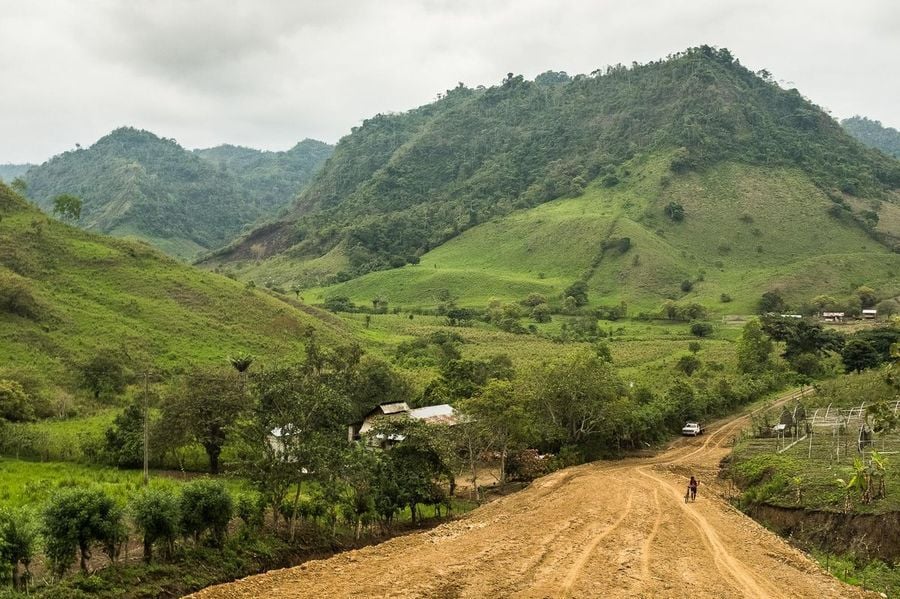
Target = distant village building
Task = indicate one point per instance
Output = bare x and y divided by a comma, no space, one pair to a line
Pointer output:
792,316
833,316
869,313
439,414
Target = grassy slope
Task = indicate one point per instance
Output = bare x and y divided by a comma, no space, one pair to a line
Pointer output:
98,293
797,246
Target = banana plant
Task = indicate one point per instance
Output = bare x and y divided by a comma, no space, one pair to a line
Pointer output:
878,466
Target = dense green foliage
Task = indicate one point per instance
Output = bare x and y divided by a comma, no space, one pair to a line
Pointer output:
874,134
134,183
402,184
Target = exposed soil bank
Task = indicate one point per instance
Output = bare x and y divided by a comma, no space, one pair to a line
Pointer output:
870,535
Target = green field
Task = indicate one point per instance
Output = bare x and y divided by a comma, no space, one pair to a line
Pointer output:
746,230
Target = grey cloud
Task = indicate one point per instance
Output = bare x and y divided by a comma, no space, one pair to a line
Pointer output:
268,73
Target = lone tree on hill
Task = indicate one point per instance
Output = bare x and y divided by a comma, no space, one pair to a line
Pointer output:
67,206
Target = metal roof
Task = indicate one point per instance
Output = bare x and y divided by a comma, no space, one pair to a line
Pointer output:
442,411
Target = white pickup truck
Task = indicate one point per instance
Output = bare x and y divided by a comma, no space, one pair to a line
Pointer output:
692,429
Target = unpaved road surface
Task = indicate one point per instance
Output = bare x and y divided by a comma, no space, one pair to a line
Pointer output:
608,529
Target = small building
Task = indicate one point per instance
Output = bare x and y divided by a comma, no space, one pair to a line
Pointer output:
833,316
869,313
439,414
798,316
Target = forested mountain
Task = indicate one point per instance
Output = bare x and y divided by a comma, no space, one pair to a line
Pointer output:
8,172
134,183
274,178
402,184
874,134
68,295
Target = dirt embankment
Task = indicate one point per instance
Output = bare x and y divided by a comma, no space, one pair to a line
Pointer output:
618,529
873,535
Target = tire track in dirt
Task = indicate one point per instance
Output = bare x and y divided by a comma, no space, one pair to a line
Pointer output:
576,569
647,545
727,565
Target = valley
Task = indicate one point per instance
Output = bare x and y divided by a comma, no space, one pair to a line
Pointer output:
448,355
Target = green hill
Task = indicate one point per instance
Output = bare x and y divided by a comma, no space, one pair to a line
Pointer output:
67,295
769,183
8,172
135,184
746,230
874,134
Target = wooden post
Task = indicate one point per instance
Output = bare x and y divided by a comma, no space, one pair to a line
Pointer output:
146,428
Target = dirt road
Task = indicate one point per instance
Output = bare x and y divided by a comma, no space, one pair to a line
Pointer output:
611,529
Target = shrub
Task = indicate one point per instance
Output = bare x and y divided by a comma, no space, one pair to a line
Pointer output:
155,515
674,211
577,291
688,364
251,509
74,520
205,505
17,298
701,329
687,285
18,538
724,298
534,299
541,313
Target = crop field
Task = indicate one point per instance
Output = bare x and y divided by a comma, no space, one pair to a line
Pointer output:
30,484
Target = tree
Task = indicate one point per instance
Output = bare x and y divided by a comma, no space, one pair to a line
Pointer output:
802,336
754,349
866,296
19,185
203,408
205,506
422,460
572,396
103,375
15,404
578,291
501,414
771,301
76,519
156,516
297,427
859,355
67,206
124,439
18,538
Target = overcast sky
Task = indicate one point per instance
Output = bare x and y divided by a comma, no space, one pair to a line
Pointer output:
267,73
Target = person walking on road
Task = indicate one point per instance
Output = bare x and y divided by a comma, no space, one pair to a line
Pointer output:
692,488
